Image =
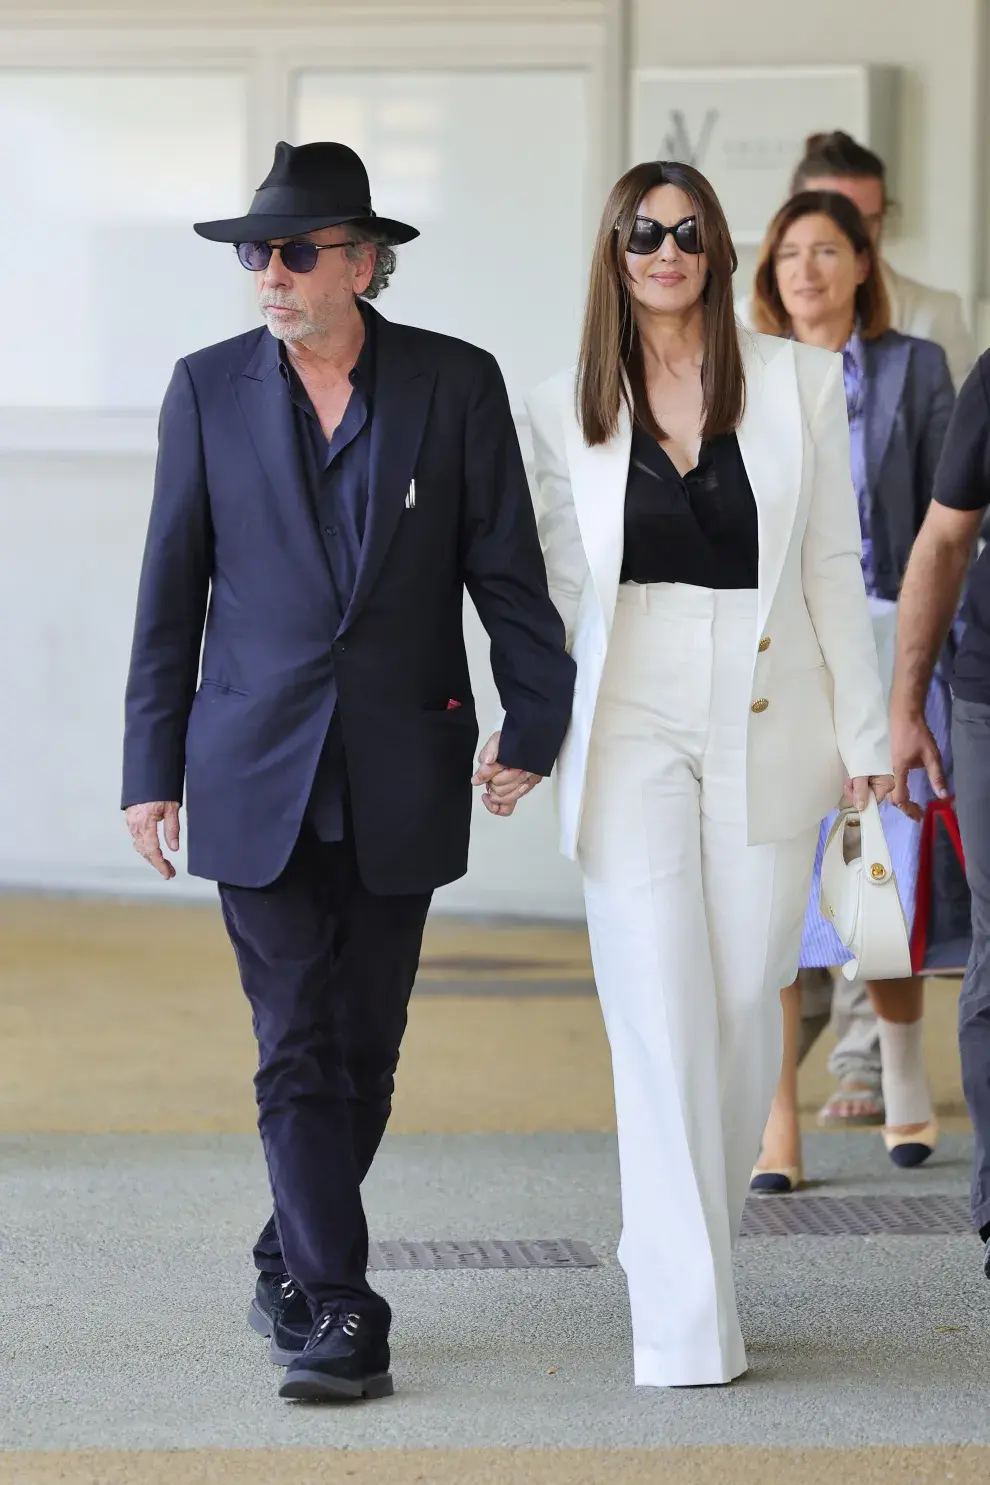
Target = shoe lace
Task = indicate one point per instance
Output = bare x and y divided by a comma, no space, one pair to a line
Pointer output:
285,1294
348,1323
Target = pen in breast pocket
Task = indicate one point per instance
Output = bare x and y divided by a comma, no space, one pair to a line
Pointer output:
411,496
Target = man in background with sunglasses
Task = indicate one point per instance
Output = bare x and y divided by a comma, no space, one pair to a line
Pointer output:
327,487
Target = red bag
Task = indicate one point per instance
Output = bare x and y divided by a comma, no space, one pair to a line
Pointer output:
942,932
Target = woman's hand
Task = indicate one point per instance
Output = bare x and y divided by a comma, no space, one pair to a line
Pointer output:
858,789
504,787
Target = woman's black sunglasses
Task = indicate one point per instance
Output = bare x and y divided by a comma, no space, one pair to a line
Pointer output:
298,257
647,235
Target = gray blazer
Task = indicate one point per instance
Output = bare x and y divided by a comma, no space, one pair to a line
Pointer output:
909,399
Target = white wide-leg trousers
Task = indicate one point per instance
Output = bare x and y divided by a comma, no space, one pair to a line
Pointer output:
693,933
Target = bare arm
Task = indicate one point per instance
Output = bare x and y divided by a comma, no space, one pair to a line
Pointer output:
930,596
929,599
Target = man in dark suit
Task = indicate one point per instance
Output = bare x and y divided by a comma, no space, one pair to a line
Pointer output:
326,489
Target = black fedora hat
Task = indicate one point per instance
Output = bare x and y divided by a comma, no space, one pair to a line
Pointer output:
308,187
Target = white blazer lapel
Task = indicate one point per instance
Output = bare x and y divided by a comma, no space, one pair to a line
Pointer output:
771,441
598,484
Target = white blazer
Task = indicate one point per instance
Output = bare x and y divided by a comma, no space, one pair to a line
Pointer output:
817,711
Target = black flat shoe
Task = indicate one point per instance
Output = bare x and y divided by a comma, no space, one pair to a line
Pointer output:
346,1357
986,1258
281,1310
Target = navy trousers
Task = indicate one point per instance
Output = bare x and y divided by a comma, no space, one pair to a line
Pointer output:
328,969
971,754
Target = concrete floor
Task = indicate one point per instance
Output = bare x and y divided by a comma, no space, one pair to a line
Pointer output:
127,1278
131,1186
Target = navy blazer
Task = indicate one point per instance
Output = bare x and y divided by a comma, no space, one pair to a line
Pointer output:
233,542
909,400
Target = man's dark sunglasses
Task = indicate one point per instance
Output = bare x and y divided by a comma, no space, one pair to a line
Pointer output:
298,257
647,235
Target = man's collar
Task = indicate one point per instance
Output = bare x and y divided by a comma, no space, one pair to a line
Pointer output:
363,373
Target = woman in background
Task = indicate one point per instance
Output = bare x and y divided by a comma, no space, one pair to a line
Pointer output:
702,545
819,280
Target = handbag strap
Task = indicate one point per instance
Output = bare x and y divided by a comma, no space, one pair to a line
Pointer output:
877,865
945,810
874,851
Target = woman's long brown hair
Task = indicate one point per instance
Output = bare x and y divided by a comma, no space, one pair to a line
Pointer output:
610,365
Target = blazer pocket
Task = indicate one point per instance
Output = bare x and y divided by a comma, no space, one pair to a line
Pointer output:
221,687
462,715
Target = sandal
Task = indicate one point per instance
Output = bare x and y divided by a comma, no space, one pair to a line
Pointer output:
866,1102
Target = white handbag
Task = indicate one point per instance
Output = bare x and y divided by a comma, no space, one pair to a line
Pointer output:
859,897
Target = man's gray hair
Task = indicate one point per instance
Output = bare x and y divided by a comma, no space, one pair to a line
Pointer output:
384,257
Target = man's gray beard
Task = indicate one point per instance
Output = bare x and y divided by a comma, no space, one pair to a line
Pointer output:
298,329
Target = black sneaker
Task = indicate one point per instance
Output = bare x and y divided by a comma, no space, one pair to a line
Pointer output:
281,1310
346,1356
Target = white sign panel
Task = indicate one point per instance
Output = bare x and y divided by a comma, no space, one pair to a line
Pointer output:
745,128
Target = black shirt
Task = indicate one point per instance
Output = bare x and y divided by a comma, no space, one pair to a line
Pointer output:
336,469
700,528
336,474
962,482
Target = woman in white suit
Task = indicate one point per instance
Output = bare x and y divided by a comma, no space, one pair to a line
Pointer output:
703,547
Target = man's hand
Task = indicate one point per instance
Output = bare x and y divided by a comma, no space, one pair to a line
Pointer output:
143,821
504,787
929,599
913,746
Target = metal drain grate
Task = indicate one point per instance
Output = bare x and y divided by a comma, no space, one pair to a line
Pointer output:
479,964
765,1216
857,1216
486,1253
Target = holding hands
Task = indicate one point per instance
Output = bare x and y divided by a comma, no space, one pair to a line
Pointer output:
504,787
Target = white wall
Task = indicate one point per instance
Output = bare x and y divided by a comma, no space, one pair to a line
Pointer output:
75,479
71,532
71,523
941,50
71,535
